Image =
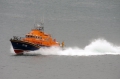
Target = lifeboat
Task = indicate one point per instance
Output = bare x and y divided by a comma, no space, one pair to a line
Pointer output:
33,40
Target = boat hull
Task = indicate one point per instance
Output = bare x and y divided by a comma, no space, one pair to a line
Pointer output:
21,46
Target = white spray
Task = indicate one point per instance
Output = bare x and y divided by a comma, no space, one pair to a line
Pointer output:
96,47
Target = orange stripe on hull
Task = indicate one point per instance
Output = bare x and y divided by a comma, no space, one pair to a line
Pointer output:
18,51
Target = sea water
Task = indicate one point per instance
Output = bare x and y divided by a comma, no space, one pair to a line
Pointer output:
89,28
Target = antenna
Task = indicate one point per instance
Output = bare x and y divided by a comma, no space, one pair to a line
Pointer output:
42,21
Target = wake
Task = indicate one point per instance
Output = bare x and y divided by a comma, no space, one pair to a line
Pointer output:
96,47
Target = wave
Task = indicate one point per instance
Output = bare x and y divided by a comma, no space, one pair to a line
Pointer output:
96,47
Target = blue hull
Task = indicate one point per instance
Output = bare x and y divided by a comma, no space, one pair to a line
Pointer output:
21,46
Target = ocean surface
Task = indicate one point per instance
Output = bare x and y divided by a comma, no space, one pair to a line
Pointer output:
89,28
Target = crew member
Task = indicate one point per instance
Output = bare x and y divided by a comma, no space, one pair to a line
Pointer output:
62,44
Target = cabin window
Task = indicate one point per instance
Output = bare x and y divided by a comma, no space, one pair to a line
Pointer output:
29,36
39,37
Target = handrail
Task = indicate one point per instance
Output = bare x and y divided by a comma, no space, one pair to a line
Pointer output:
16,38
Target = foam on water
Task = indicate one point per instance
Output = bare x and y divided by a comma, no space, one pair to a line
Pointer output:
96,47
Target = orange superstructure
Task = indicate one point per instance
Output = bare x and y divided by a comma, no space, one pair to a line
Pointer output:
37,36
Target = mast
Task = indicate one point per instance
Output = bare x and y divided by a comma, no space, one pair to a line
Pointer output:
39,25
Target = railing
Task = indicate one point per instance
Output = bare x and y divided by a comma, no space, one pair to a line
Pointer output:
17,38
